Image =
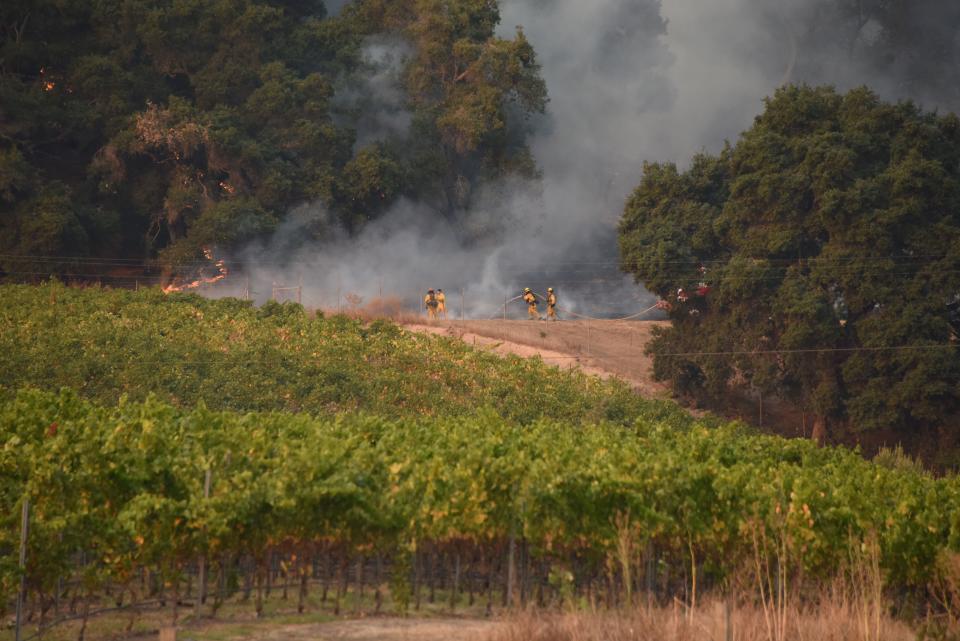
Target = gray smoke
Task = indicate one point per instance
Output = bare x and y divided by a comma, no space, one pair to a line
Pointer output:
629,81
373,101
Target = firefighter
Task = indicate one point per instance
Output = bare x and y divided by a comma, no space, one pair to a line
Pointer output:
431,303
441,304
551,304
531,300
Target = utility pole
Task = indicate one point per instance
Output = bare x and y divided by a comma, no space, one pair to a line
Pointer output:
300,289
22,592
461,320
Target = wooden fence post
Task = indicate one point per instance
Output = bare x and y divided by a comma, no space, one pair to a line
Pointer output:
21,593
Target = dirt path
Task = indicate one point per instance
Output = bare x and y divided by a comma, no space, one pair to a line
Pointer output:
600,348
610,348
373,629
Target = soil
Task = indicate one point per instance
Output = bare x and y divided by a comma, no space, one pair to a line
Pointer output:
378,629
608,348
601,348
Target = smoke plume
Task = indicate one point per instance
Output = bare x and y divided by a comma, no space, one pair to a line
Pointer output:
629,81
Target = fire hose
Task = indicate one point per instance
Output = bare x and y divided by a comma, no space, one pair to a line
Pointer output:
572,313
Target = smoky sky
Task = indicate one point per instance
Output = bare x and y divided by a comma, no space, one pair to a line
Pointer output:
629,81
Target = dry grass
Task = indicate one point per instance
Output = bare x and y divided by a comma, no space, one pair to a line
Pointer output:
831,621
388,307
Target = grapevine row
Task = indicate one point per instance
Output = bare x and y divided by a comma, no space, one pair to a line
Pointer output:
230,355
124,485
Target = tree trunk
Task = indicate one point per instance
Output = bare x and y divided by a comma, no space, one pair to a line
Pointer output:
819,433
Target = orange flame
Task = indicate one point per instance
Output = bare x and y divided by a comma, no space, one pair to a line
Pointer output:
222,272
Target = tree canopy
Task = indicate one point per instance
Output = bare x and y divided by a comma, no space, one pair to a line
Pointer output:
144,130
827,241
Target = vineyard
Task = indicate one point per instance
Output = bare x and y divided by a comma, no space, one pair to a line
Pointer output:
179,453
106,344
575,509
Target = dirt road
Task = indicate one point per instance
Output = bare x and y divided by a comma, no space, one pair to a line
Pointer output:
612,348
601,348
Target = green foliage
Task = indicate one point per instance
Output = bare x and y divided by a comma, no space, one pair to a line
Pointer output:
125,484
464,83
187,125
831,225
107,344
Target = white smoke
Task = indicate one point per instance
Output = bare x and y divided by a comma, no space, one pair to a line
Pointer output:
629,81
372,100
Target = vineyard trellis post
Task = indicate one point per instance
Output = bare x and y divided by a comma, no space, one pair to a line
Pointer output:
202,578
728,619
21,593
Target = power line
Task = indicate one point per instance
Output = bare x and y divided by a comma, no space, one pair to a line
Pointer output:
770,274
816,350
784,262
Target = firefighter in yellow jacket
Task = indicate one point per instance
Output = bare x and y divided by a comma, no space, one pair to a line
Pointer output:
431,303
441,304
531,300
551,304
